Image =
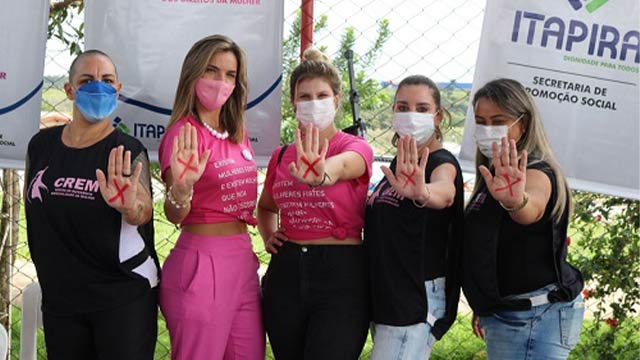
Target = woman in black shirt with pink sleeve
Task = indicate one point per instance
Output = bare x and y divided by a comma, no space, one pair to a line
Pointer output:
525,295
413,230
89,226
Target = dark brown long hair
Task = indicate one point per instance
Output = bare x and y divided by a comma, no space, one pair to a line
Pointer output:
315,65
437,99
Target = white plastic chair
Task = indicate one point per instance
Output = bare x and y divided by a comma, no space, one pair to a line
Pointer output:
31,321
4,343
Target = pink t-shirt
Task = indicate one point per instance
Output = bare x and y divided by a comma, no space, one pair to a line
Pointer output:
327,211
228,188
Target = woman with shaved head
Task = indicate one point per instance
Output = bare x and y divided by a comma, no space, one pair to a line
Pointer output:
89,226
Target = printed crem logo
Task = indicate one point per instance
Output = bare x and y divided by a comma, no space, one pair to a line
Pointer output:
36,186
591,5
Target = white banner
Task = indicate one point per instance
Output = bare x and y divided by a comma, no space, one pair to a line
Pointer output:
23,37
580,60
148,40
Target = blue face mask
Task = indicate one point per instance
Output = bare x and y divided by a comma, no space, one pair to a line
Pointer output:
96,100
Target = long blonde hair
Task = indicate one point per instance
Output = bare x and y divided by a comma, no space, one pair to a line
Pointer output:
194,65
512,98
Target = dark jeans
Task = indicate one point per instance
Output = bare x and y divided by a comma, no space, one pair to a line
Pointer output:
316,302
127,332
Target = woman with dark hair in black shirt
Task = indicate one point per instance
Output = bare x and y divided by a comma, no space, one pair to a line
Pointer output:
413,230
525,295
90,228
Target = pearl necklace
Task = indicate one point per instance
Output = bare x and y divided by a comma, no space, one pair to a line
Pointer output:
222,136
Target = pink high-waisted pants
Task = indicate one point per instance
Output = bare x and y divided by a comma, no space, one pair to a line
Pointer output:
210,298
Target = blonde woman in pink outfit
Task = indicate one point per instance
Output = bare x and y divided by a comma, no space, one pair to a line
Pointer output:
316,300
209,292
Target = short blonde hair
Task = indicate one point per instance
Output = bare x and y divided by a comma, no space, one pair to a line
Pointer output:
315,64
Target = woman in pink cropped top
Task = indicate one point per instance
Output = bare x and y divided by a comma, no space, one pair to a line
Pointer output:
209,292
316,300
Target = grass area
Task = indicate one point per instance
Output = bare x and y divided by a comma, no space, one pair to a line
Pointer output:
449,348
458,344
55,100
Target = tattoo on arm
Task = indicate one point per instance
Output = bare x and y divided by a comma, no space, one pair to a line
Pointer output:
144,182
145,175
134,216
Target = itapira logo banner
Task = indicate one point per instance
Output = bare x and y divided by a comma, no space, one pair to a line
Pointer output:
23,37
580,61
148,40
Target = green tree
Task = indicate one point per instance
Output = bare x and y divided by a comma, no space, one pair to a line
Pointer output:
456,101
607,232
61,24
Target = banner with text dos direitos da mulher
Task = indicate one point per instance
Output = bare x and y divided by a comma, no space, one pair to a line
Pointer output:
148,40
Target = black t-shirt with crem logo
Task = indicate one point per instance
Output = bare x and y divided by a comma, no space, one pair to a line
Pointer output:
86,256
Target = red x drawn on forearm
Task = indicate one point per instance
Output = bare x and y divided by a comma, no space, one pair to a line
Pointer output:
409,178
120,193
509,184
310,166
187,166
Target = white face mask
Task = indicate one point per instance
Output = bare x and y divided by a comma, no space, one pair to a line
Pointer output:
486,135
419,125
317,112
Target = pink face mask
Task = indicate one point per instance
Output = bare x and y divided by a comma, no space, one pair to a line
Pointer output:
212,94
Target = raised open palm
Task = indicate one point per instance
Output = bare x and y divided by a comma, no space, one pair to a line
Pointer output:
120,188
186,165
310,159
507,185
408,179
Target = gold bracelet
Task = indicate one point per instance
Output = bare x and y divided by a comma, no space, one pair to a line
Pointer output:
179,205
525,201
426,202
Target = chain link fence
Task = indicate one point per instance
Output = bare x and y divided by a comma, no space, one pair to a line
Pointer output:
393,39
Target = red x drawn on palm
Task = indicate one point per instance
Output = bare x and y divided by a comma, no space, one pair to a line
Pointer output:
120,193
187,166
310,166
409,178
509,184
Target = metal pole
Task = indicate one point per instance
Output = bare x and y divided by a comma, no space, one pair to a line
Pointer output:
306,25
